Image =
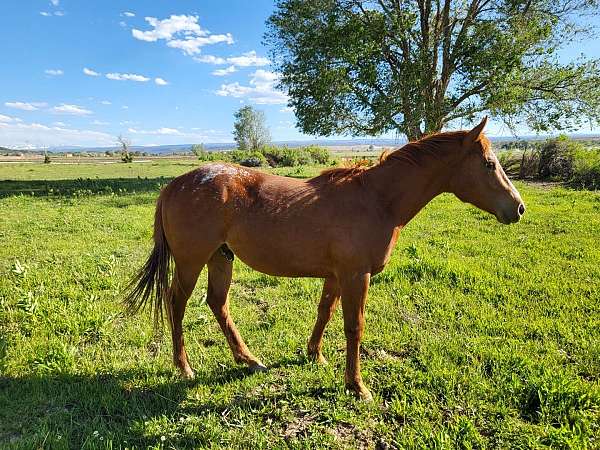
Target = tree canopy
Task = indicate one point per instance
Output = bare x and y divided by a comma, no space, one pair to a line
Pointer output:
414,66
250,129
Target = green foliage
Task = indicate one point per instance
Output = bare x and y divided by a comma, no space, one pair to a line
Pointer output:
556,159
248,158
202,153
273,156
126,156
250,129
198,150
366,68
586,169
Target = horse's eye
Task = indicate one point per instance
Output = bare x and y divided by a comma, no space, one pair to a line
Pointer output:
490,164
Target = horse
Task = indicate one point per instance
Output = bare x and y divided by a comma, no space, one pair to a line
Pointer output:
341,226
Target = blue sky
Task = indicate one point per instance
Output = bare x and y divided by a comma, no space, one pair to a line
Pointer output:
158,72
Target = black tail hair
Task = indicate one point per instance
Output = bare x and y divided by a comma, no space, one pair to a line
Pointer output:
151,283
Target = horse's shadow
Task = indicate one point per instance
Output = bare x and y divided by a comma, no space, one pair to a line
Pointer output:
118,406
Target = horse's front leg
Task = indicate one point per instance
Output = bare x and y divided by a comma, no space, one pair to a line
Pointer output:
354,295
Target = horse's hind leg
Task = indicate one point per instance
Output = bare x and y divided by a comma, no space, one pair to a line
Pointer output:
219,279
329,300
184,280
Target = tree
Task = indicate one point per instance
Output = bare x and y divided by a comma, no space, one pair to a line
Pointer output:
125,143
414,66
198,150
250,129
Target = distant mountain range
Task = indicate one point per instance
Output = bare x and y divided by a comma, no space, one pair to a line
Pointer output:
182,148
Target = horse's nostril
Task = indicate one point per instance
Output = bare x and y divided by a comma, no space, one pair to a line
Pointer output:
521,209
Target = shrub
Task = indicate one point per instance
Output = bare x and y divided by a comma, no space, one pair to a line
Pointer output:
248,158
556,158
586,169
126,157
201,153
269,155
319,154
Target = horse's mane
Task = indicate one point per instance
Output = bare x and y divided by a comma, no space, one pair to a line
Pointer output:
413,153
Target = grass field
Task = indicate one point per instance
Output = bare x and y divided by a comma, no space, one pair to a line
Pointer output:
478,335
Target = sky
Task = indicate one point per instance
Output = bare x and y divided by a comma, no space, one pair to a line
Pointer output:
80,73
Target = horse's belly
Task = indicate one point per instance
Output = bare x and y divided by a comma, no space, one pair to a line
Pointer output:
274,255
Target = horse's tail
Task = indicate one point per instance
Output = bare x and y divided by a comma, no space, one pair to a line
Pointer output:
151,283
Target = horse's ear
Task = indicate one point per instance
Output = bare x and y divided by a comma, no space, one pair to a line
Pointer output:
473,135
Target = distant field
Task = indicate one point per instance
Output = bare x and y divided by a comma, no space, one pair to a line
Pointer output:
82,178
478,335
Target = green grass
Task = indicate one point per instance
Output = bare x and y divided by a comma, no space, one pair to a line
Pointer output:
478,335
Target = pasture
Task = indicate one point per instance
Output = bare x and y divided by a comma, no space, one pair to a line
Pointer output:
478,335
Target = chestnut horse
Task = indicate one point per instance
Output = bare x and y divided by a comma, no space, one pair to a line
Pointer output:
341,226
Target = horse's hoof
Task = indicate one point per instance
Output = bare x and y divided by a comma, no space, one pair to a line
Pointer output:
187,374
365,395
360,391
318,358
257,367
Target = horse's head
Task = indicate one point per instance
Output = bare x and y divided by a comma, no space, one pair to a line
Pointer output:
479,179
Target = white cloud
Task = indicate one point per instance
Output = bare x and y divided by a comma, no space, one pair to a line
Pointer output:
249,59
123,24
59,124
192,46
45,14
223,72
160,131
59,13
55,2
210,59
26,106
73,110
127,76
167,28
6,119
160,81
182,32
90,72
287,109
35,135
98,122
128,14
106,102
261,90
53,72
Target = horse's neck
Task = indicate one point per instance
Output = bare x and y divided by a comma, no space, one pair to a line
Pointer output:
404,189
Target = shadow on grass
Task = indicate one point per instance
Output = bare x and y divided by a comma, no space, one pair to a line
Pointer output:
81,186
89,411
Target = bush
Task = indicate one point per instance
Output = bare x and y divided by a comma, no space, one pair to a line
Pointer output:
319,154
248,158
269,155
556,158
586,169
126,157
